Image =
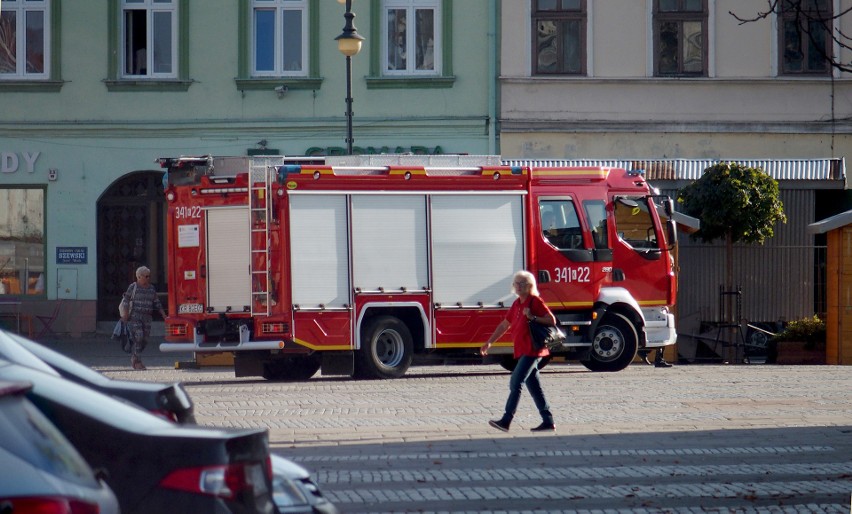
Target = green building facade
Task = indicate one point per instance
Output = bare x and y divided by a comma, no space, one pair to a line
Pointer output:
92,94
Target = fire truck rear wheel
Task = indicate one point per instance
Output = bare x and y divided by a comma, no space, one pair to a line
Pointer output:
614,345
386,349
293,368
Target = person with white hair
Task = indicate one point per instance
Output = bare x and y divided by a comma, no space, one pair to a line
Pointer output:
527,307
138,305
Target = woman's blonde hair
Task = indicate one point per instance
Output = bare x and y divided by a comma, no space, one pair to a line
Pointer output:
527,277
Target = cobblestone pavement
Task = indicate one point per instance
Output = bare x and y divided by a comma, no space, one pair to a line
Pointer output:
692,438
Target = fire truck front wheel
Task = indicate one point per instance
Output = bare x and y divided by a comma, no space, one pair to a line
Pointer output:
614,345
386,349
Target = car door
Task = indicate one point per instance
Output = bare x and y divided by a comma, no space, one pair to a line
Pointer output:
641,261
569,267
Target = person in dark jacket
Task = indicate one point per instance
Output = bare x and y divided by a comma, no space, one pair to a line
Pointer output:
526,307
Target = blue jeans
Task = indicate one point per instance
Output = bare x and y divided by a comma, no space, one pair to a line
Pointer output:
526,371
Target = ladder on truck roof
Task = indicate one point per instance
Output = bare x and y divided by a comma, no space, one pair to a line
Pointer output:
260,206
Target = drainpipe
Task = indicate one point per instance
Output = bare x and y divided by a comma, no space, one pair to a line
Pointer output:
494,74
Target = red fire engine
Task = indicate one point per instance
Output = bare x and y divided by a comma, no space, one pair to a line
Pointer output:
356,264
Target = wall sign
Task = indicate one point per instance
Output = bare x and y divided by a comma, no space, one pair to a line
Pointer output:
72,254
10,162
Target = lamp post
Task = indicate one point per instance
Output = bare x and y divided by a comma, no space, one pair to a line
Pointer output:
349,44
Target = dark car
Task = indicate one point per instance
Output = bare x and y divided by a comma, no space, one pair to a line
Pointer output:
167,400
294,491
39,469
152,464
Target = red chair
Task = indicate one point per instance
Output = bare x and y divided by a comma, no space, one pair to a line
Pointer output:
47,320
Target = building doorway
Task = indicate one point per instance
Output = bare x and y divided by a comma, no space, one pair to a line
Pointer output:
131,233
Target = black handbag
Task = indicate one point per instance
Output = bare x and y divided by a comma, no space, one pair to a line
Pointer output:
545,336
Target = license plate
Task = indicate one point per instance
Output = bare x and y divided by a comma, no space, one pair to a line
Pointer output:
190,308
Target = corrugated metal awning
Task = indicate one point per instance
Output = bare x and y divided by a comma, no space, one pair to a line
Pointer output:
831,223
692,169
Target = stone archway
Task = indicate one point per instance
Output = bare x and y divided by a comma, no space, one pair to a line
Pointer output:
131,233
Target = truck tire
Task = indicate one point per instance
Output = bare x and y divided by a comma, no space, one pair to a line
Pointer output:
509,362
614,345
386,349
292,367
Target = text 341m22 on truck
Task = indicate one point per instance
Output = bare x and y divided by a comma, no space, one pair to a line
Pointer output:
354,265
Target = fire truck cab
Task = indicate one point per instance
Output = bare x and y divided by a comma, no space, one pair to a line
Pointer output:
356,264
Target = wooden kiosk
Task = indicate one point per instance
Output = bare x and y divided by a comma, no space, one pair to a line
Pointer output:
838,323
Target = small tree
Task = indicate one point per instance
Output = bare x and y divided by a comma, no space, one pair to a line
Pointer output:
734,203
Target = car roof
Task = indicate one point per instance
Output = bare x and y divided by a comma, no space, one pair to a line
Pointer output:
106,409
63,365
52,385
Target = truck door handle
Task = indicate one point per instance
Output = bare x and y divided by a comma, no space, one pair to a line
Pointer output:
617,275
543,276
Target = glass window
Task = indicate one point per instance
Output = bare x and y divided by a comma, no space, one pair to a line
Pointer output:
634,224
805,36
24,39
22,241
596,214
680,28
559,37
29,435
149,30
412,39
560,224
279,28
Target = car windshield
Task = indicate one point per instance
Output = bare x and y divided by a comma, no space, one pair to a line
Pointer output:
31,437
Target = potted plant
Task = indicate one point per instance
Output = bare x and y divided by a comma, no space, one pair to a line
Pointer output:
801,342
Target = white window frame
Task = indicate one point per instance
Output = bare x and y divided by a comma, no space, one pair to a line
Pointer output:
410,6
20,8
150,7
279,6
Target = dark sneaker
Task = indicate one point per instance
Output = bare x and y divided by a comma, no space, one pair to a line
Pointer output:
544,427
499,425
662,364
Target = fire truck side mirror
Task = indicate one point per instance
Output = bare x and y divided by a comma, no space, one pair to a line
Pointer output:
671,236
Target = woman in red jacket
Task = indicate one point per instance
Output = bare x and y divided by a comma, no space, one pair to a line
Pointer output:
528,306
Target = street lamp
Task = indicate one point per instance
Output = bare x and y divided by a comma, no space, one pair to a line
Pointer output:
349,44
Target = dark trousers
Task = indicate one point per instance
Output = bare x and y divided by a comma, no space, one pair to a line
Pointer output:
526,372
